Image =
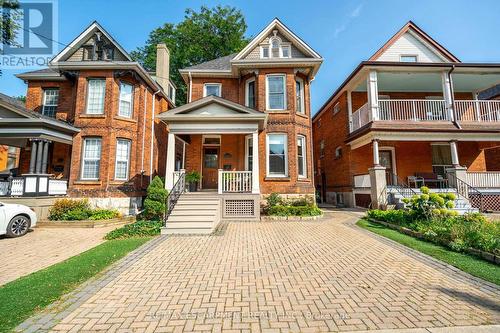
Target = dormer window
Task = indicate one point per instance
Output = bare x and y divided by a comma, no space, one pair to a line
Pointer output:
276,48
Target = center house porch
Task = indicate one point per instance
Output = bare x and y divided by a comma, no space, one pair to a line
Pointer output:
220,140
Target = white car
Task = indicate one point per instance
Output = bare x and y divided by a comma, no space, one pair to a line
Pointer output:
15,220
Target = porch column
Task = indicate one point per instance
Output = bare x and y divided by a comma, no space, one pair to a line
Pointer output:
454,153
477,106
255,163
33,156
349,109
45,155
376,155
448,98
372,90
39,156
170,167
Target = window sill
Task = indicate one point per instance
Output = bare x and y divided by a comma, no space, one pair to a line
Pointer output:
277,111
277,178
118,182
130,120
86,115
87,182
302,115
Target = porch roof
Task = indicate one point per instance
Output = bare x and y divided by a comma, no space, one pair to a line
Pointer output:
213,114
18,124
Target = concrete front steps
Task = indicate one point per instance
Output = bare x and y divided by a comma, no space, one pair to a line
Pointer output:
462,205
194,213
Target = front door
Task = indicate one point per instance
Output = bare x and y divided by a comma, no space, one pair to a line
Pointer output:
386,161
210,167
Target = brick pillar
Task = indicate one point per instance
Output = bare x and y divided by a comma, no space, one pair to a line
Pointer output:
378,188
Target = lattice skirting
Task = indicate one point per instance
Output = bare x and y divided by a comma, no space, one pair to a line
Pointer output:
239,207
489,202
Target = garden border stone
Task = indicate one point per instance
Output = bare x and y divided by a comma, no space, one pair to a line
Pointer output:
86,223
291,218
482,254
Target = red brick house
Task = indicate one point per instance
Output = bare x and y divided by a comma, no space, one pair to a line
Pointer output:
246,129
88,128
410,115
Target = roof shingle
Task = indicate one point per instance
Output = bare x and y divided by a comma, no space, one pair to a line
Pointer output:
222,63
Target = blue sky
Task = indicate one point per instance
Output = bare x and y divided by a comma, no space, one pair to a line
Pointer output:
343,32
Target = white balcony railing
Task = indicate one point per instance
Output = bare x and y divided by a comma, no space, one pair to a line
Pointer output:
487,179
361,117
413,110
235,181
54,187
477,110
362,181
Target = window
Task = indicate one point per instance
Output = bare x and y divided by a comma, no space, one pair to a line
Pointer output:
50,100
213,140
249,153
408,58
285,51
338,152
264,53
95,96
212,89
275,47
301,156
322,149
126,100
339,197
122,159
275,92
250,93
336,108
299,96
277,159
441,158
91,158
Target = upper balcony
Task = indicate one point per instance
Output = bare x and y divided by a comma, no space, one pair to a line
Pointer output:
424,98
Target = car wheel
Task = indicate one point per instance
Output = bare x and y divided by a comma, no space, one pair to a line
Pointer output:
18,226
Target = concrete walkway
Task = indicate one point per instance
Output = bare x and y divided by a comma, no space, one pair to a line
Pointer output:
313,276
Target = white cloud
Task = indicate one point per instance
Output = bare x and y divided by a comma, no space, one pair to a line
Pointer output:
338,30
357,10
352,15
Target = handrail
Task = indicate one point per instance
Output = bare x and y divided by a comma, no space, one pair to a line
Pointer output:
464,189
172,197
400,185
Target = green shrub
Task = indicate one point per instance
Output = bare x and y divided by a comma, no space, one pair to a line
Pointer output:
104,214
273,200
154,205
280,210
193,177
69,210
137,229
427,205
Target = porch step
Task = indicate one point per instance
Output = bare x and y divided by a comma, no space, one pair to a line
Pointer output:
194,214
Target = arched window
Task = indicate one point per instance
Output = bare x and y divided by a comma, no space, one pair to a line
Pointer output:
275,47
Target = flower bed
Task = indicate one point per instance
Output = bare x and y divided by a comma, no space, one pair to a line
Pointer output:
137,229
291,209
79,210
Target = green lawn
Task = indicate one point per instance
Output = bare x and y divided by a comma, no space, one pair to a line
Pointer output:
20,298
467,263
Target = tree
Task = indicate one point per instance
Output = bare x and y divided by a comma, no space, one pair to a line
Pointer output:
202,36
9,24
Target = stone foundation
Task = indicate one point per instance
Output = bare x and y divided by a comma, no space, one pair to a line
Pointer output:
126,206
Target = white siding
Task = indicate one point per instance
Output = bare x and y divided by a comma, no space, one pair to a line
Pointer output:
408,44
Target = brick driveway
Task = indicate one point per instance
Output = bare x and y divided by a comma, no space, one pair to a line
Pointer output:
44,247
276,277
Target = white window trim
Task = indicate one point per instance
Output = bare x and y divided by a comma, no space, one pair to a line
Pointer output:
131,101
262,47
304,156
408,55
45,99
289,47
284,92
129,144
286,156
82,163
302,96
248,139
212,84
393,157
88,93
247,83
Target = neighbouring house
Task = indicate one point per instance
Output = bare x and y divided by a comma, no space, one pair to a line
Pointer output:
413,114
88,128
246,129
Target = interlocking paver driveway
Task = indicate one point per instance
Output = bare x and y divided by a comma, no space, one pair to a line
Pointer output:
44,247
281,276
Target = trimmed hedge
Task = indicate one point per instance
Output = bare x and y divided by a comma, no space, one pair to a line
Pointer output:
457,232
277,206
137,229
77,210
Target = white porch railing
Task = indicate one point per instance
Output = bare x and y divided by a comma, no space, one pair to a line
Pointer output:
361,117
477,110
58,187
17,186
235,181
483,179
362,181
413,109
55,187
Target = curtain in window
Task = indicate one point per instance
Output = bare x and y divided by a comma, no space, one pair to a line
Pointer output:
95,97
277,154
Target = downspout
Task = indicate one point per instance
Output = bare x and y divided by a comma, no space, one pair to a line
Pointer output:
452,95
152,135
190,86
144,133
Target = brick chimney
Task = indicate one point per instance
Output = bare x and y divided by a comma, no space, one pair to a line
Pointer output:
162,66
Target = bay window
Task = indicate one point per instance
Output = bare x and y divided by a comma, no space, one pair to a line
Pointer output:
91,158
301,156
299,96
95,96
122,159
126,100
275,92
250,93
277,155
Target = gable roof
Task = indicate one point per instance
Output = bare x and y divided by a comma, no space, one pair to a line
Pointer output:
413,28
222,63
293,38
82,38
